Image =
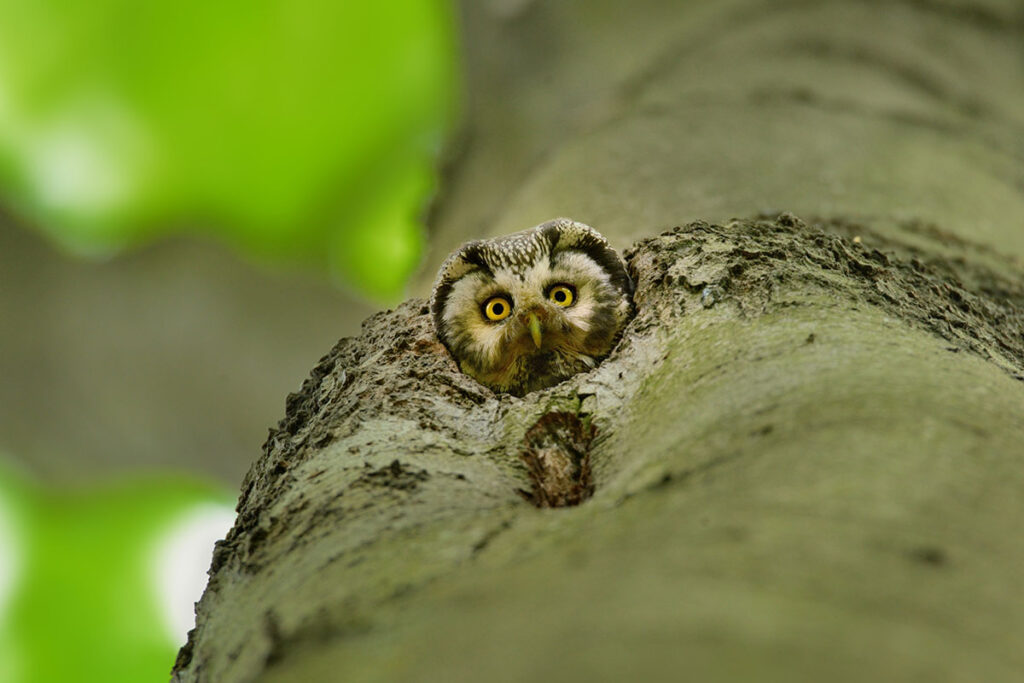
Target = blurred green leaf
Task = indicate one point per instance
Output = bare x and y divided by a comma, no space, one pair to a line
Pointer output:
85,601
295,130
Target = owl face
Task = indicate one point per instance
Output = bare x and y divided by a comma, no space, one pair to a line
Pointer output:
526,311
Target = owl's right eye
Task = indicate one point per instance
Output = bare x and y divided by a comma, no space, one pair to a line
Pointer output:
497,308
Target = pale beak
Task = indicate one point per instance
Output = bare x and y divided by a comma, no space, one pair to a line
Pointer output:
533,323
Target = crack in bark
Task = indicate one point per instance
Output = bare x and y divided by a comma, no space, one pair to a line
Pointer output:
557,457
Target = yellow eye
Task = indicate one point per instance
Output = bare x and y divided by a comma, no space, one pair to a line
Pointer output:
497,308
562,295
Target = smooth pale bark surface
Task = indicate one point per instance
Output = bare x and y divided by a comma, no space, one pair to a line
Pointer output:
808,461
635,117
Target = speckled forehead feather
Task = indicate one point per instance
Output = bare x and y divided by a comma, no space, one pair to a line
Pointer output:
518,251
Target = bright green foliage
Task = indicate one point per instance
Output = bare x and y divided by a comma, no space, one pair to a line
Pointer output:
84,603
301,130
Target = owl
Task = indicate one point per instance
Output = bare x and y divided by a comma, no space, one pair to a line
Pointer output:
525,311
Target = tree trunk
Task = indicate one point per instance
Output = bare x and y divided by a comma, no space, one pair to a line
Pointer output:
806,456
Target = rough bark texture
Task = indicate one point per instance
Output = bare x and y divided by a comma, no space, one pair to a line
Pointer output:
804,460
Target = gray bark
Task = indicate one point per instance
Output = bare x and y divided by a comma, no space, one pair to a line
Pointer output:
806,453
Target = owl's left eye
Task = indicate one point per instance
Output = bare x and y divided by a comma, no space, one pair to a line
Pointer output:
562,295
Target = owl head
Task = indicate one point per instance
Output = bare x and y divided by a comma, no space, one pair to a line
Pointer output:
525,311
